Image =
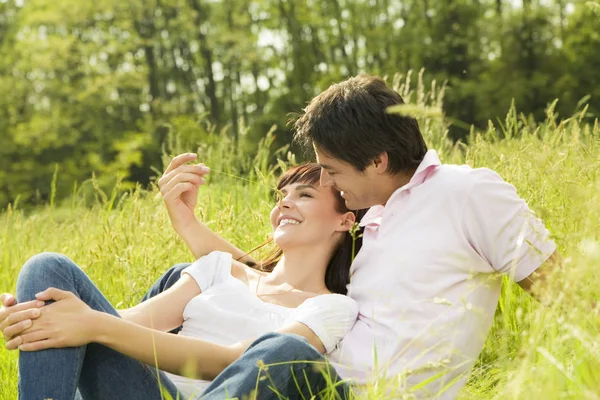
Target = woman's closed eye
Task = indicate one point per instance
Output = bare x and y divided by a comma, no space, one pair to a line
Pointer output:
306,194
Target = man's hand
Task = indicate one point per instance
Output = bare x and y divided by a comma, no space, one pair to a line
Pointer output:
179,187
16,318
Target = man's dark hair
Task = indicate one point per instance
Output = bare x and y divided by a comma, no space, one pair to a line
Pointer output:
349,122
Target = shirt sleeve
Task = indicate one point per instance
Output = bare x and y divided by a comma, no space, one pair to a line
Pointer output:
502,229
329,316
210,270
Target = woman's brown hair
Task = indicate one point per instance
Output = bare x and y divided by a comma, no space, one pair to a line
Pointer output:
337,274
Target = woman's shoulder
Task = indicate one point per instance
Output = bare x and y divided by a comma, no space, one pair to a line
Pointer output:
224,260
210,269
214,257
235,268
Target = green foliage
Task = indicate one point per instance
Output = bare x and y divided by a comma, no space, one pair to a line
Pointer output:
97,87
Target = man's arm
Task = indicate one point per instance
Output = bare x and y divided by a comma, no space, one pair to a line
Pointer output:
535,283
501,228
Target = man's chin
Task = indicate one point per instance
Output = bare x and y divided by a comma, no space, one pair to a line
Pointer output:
351,204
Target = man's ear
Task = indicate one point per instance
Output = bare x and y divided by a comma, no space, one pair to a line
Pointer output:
381,162
348,221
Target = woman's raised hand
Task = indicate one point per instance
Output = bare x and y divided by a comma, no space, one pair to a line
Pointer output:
179,187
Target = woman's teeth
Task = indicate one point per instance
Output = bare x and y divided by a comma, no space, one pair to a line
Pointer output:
288,221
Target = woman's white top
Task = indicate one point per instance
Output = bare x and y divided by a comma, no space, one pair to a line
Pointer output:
227,312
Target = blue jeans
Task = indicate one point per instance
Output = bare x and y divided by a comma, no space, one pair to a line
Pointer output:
275,366
92,371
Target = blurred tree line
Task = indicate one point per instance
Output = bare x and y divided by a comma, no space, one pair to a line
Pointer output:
99,86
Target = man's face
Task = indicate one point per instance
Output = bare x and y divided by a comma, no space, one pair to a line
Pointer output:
356,187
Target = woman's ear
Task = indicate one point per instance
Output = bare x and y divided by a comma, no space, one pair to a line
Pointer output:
348,220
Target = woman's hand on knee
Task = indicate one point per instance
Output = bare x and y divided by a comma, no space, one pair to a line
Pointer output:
67,322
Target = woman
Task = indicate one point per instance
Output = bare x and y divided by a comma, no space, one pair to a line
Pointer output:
221,303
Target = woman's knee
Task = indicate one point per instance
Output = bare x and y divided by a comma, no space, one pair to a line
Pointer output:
47,262
293,347
174,273
44,268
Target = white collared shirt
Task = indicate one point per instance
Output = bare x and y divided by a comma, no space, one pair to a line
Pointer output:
428,276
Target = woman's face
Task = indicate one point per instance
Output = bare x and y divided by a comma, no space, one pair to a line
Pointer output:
306,214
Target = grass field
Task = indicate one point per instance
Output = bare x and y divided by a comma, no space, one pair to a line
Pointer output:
124,242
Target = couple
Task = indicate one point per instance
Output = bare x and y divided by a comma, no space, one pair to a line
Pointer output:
424,286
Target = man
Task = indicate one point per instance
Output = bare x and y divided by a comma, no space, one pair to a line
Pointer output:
436,240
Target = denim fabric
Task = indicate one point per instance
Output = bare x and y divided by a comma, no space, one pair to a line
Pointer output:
167,280
278,366
97,371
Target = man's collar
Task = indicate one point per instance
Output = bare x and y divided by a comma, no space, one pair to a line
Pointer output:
429,164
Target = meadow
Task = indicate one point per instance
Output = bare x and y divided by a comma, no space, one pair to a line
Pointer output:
123,240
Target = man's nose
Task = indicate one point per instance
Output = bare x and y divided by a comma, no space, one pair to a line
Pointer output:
324,179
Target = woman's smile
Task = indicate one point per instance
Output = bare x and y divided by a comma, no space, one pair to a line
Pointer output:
286,221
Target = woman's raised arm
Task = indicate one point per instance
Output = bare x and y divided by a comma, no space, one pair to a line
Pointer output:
179,187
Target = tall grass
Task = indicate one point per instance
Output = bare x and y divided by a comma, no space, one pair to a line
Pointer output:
123,241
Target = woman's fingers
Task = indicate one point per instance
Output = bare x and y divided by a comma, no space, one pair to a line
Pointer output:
198,170
14,330
7,300
177,191
30,337
194,179
40,345
7,312
14,343
53,294
19,321
180,160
